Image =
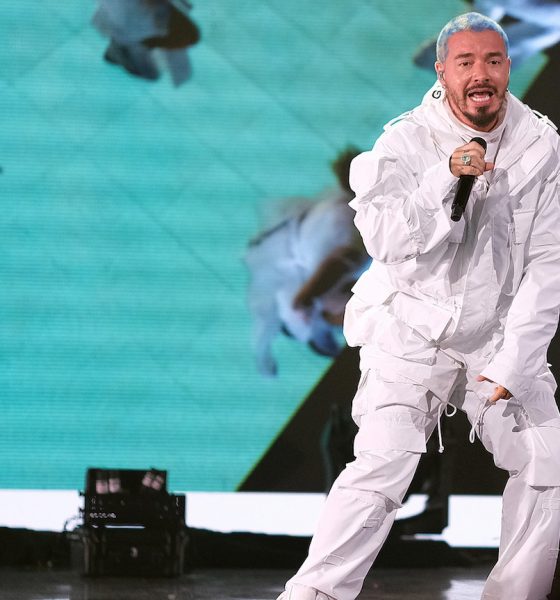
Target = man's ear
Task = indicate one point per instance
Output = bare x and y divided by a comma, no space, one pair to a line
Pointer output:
440,72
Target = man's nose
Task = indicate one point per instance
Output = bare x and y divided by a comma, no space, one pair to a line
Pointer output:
481,72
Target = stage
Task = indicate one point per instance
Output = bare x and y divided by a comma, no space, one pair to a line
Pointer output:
449,583
37,565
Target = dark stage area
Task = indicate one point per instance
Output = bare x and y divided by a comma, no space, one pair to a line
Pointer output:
450,583
239,566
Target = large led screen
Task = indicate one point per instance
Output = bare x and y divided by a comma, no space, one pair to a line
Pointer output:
141,325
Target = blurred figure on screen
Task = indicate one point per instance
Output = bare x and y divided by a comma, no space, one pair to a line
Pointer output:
534,26
139,29
302,269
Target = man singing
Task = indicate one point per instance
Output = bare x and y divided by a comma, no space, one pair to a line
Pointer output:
453,312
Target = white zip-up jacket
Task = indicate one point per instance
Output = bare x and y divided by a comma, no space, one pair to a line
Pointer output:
488,285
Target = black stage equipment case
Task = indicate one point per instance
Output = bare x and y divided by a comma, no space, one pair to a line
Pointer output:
131,524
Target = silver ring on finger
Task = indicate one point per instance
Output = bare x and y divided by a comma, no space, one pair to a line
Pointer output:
466,159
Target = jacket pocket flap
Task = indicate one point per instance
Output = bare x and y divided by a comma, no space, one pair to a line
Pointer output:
522,220
371,291
427,319
543,239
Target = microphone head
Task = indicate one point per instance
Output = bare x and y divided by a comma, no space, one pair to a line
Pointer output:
479,141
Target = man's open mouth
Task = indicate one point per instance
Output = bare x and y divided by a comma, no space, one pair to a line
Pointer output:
480,95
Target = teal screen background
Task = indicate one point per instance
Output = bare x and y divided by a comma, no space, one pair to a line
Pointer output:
127,205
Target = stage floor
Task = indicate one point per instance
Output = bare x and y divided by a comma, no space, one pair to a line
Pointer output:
234,584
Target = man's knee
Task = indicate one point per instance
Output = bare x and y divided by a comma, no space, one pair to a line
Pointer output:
379,476
374,506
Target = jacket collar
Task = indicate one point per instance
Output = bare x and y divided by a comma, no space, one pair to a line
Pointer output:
519,128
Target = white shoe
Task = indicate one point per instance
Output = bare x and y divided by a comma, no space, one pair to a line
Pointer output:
303,593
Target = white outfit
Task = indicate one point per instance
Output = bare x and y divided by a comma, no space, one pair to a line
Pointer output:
442,303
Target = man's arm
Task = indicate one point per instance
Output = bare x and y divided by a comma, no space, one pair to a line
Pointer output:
403,211
533,316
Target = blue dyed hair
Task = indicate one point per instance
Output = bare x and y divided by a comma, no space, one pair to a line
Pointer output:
468,22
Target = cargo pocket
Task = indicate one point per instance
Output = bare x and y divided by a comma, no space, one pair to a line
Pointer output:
393,418
542,438
543,446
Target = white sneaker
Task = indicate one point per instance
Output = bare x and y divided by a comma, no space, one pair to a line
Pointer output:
303,593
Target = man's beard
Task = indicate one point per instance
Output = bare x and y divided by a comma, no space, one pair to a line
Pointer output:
483,117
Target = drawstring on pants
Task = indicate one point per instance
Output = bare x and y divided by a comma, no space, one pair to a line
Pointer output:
443,410
478,420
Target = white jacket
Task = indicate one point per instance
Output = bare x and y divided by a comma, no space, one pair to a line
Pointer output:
488,285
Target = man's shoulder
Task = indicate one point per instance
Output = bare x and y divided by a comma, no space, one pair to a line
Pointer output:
418,121
533,118
537,135
409,130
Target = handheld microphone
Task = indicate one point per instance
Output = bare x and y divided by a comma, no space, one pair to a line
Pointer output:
464,189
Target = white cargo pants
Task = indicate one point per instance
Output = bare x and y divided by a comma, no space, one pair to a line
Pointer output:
397,407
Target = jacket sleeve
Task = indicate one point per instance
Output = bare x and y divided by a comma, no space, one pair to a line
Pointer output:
402,211
533,315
